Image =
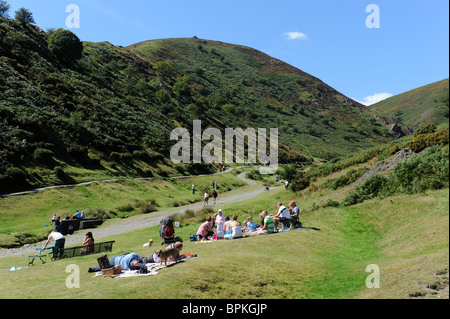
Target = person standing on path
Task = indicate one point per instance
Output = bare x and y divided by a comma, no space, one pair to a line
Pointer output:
214,195
205,199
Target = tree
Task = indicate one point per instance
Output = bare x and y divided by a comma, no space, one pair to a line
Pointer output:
24,16
65,45
4,8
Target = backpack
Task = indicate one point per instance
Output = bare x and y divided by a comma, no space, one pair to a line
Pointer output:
70,230
166,228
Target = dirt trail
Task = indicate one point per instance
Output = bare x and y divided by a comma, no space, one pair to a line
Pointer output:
140,221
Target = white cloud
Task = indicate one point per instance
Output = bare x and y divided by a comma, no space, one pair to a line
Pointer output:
295,35
375,98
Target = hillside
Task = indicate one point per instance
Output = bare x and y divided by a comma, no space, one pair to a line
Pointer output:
111,113
424,105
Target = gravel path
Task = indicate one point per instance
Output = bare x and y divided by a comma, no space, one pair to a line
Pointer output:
138,221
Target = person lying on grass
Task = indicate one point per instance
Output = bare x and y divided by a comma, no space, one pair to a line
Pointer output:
133,261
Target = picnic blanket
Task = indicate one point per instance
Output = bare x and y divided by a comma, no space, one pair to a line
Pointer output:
152,269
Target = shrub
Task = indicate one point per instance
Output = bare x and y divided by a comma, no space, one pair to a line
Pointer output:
148,207
422,141
59,172
65,45
429,170
331,203
300,182
370,188
125,208
255,175
42,155
98,213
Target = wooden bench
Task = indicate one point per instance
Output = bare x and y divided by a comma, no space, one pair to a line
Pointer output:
77,251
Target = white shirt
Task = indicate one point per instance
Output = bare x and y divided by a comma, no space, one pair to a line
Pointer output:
55,235
284,212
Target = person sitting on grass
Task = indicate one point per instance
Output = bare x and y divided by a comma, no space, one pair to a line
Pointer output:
205,230
236,229
268,226
250,227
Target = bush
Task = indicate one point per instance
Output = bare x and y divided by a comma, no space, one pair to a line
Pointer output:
429,170
422,141
331,203
42,155
148,207
300,182
125,208
59,172
370,188
65,45
98,213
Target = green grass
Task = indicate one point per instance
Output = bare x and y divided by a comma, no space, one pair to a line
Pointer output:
28,213
407,236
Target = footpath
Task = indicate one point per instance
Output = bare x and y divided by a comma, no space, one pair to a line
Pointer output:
142,221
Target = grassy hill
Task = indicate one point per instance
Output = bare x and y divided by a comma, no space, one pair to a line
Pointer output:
406,236
424,105
111,113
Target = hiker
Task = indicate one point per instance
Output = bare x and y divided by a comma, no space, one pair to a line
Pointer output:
286,185
89,242
268,224
205,230
205,199
53,219
193,189
283,215
58,247
236,229
214,195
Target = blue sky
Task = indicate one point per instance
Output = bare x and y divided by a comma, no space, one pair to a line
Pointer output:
327,38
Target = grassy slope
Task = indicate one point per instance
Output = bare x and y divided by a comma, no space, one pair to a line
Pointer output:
29,213
418,106
407,236
108,115
312,117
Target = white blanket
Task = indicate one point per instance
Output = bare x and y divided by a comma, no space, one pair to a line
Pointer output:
152,269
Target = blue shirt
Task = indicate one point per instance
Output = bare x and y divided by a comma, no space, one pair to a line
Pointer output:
251,226
125,261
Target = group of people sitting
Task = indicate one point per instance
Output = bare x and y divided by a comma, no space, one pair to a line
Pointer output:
231,228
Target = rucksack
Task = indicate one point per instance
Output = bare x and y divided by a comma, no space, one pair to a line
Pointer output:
166,228
70,230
